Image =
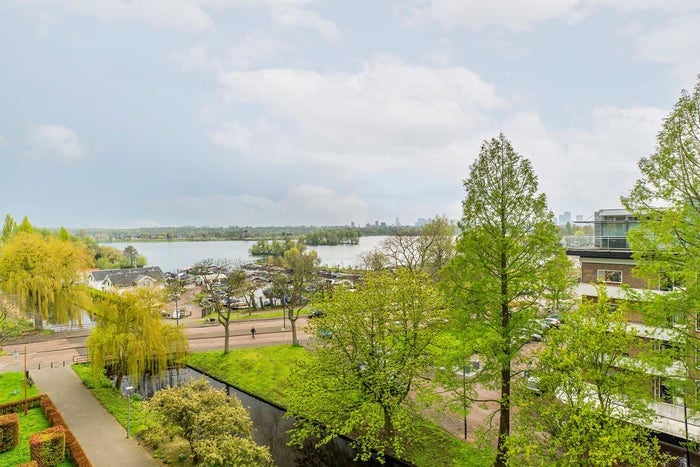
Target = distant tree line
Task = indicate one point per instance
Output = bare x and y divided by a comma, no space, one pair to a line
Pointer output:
348,236
191,233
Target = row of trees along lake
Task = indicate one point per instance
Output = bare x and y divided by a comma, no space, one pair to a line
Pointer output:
406,339
310,235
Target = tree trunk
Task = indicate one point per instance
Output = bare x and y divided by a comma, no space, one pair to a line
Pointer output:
293,321
504,423
227,332
388,424
38,320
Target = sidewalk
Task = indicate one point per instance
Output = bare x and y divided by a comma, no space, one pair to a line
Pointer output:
103,439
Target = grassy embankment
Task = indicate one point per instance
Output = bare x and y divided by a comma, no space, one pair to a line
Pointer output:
12,389
266,372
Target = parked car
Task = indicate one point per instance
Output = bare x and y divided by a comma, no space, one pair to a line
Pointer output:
316,314
552,321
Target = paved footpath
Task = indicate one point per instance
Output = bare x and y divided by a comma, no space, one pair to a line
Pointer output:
103,439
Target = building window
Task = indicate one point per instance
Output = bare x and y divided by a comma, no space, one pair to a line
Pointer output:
668,282
668,391
609,275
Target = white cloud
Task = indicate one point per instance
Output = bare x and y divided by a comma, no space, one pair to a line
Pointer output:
55,144
4,141
675,43
260,139
292,16
303,204
183,15
387,116
477,14
194,58
600,164
257,47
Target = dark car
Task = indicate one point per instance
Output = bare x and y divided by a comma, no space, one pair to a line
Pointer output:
316,314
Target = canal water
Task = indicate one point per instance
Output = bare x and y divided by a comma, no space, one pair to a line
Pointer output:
269,425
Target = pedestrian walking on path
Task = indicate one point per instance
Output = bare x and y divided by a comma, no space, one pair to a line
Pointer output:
103,439
252,332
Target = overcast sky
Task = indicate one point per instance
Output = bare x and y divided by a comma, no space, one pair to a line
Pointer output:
129,113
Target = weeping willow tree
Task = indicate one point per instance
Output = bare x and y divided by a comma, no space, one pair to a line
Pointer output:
130,336
41,272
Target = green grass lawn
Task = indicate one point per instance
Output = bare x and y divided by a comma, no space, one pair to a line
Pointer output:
12,389
244,316
267,371
114,401
263,371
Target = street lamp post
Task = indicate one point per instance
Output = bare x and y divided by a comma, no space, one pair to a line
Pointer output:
177,313
128,390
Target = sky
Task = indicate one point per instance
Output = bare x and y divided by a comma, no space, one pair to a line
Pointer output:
143,113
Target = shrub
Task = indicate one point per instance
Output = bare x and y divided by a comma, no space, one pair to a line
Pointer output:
48,447
9,431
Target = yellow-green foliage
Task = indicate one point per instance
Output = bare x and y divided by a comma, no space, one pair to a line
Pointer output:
217,426
48,447
9,431
131,336
42,273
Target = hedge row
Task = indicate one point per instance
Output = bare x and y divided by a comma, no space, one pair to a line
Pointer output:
9,431
54,417
48,447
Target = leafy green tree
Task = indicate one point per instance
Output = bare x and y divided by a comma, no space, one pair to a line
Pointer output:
666,203
42,273
588,399
428,252
9,228
10,325
456,374
132,258
371,351
222,283
437,242
292,286
559,282
131,253
373,260
130,336
107,257
507,245
217,426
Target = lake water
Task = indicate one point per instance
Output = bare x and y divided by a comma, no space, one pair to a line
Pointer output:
171,256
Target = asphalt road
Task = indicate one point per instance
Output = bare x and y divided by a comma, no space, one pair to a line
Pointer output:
67,347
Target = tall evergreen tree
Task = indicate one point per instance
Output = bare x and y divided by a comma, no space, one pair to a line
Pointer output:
507,245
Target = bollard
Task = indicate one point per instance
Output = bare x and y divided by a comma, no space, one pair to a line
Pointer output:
39,366
51,364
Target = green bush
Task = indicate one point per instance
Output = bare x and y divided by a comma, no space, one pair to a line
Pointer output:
9,431
48,447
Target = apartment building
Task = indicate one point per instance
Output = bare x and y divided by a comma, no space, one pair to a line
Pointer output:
606,256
